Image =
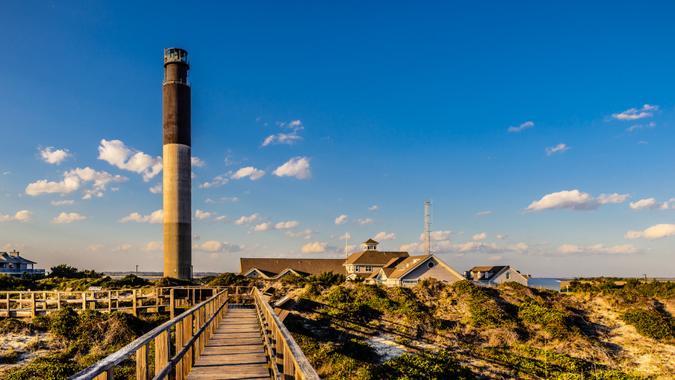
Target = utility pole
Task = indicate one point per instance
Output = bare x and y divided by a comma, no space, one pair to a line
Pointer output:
427,228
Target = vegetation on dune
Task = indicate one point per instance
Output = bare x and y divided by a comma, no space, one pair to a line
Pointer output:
228,279
652,323
84,339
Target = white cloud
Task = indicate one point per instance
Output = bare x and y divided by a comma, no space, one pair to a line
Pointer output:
285,225
437,235
342,219
652,204
364,221
636,127
95,247
297,167
521,127
479,236
201,214
52,156
250,172
116,153
560,148
646,111
217,181
222,200
446,246
153,246
155,217
65,202
221,218
288,138
314,247
654,232
304,234
157,189
215,246
197,162
68,217
73,180
247,219
373,208
484,213
262,227
20,216
384,236
574,200
501,236
597,249
123,248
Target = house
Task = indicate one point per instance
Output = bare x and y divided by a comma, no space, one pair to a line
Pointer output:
363,264
12,264
494,275
274,269
408,271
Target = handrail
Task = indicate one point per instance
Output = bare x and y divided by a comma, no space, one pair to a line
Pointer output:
192,329
286,357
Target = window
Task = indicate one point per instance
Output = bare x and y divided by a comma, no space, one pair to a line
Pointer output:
508,275
358,268
430,264
369,268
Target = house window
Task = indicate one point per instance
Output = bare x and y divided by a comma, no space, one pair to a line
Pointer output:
358,268
369,268
430,264
508,275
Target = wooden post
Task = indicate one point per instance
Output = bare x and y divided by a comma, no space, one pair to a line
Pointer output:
142,370
180,342
8,308
32,304
289,369
58,300
134,306
84,301
109,301
188,333
172,303
157,303
161,351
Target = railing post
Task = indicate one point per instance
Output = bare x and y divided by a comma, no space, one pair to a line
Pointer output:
180,342
134,306
142,368
58,300
188,333
161,351
84,301
109,301
8,308
172,303
32,304
289,369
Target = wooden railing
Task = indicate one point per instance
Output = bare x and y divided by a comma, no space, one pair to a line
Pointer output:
287,361
134,301
191,330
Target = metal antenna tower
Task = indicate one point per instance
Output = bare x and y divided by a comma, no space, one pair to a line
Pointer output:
427,228
347,236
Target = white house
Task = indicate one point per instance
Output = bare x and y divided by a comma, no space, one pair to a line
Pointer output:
408,271
495,275
12,264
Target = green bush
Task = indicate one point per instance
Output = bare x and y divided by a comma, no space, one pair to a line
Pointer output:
552,320
427,365
13,325
229,279
67,271
484,309
654,324
64,323
54,367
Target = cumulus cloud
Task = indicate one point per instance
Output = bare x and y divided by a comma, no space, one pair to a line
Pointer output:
652,204
373,208
304,234
247,219
646,111
156,189
289,136
155,217
597,249
73,180
152,246
297,167
123,248
54,156
249,171
68,217
314,247
479,236
201,214
215,246
217,181
384,236
364,221
521,127
19,216
116,153
560,148
657,231
197,162
574,200
262,227
286,225
342,219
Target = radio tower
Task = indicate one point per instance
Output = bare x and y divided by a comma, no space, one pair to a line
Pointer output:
427,228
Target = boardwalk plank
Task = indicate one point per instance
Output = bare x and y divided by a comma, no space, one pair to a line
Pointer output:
234,351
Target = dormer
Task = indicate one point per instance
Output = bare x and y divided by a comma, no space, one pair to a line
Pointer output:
370,245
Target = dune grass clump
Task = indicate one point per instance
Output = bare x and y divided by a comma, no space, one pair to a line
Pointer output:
484,309
652,323
554,321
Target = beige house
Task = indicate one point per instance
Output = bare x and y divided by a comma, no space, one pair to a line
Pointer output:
363,264
495,275
408,271
274,269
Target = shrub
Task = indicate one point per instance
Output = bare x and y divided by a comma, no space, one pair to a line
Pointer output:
12,325
67,271
554,321
427,365
64,323
651,323
54,367
484,309
229,279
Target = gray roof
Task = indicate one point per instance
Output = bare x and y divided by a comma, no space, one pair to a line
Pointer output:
6,257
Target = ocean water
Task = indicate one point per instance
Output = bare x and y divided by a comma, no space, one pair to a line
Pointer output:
546,283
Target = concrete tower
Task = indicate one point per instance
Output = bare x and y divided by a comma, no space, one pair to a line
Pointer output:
177,154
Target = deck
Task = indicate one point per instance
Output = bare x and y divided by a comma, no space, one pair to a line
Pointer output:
234,351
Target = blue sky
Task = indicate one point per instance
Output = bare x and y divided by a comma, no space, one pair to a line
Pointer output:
380,104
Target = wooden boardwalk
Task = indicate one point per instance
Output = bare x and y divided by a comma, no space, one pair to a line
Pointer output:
234,351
